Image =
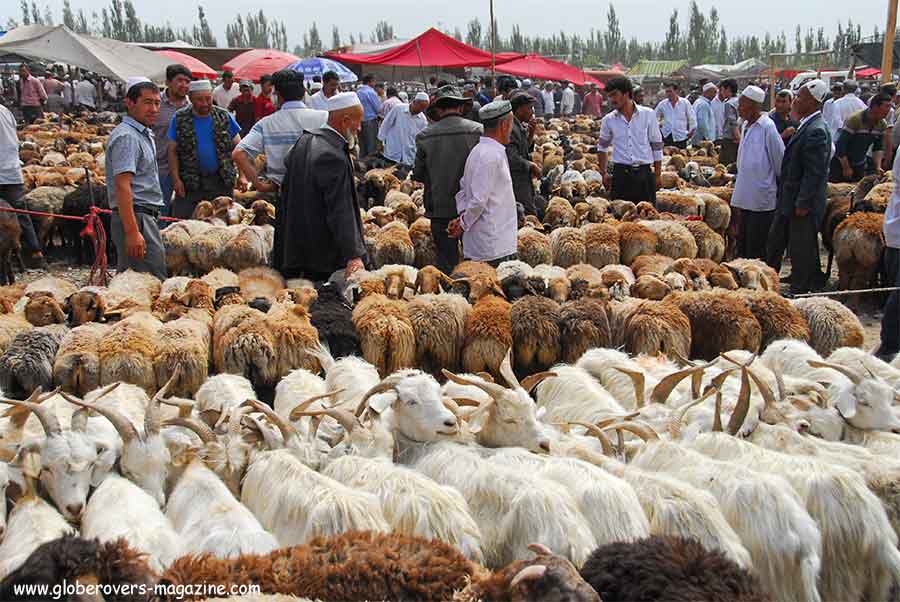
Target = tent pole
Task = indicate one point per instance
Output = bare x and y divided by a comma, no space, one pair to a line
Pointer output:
421,67
493,49
887,52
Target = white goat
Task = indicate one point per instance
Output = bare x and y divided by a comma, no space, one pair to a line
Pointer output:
32,522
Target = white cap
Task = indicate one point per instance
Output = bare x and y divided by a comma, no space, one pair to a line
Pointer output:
709,86
402,95
526,82
421,96
316,86
754,93
200,85
817,88
343,100
133,81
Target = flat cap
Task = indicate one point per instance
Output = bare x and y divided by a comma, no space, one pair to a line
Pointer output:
448,92
494,110
520,98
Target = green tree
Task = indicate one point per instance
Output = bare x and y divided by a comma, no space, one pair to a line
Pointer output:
26,15
81,24
235,34
672,45
36,17
133,28
383,32
457,34
335,37
68,16
697,35
473,34
203,35
612,39
314,44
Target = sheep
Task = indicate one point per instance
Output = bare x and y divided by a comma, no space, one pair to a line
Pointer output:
668,568
710,244
777,317
559,213
618,208
204,248
533,247
387,336
86,305
183,344
679,202
260,282
127,351
137,288
571,393
488,335
673,239
717,211
32,522
248,247
535,329
76,367
220,277
831,324
42,309
651,327
601,244
753,274
719,322
331,316
59,288
27,364
423,243
9,296
858,246
567,246
717,275
10,243
178,240
393,245
243,344
651,286
636,239
439,322
583,324
221,392
850,356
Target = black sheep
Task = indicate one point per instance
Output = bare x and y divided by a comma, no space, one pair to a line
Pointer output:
78,203
668,568
332,317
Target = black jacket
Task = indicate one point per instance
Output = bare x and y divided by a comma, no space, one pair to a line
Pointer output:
804,170
518,153
317,225
441,152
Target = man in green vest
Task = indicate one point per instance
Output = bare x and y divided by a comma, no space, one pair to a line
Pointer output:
201,138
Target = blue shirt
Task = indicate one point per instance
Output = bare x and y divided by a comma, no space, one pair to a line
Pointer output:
206,146
370,102
131,149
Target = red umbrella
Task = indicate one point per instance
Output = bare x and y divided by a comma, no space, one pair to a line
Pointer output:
198,68
536,66
253,64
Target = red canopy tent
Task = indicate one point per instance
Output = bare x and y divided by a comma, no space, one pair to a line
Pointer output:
198,68
255,63
868,72
431,49
536,66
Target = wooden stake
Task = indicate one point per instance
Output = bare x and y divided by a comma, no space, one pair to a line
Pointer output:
887,54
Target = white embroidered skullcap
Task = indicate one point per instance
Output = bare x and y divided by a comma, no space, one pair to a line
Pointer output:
709,86
421,96
817,88
200,85
754,93
133,81
343,100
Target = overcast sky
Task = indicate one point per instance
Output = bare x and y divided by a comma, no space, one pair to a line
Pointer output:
646,19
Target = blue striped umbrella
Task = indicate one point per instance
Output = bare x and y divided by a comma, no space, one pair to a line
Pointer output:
318,65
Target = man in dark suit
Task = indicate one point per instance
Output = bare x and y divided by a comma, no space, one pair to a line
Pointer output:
800,208
518,151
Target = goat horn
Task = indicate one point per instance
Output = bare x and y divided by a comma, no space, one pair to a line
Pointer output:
305,404
598,433
344,417
529,573
484,375
530,382
47,418
506,370
287,429
385,385
492,389
764,390
122,425
235,419
199,428
721,377
644,432
607,421
637,381
185,406
665,387
540,549
466,402
869,370
674,426
743,405
717,414
854,377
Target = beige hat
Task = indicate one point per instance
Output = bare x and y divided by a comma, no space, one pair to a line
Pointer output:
754,93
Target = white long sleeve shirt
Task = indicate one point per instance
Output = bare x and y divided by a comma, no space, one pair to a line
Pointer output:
718,109
759,166
10,171
677,121
567,102
844,107
486,203
318,101
892,214
549,103
86,94
398,132
635,142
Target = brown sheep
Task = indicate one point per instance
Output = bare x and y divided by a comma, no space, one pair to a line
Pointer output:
386,334
260,282
568,246
635,239
601,244
488,336
641,211
43,309
653,327
719,322
716,274
536,334
650,286
127,350
243,344
710,244
10,243
583,325
618,208
651,264
717,212
439,321
393,245
858,246
776,316
692,272
753,274
420,234
248,248
77,365
86,306
294,336
480,278
183,346
533,247
831,324
673,239
679,203
559,213
429,280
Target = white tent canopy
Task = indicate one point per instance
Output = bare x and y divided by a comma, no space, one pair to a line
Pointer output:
103,56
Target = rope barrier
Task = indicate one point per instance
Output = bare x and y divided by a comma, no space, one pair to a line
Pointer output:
884,289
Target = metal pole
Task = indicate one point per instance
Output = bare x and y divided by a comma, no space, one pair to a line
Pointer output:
493,49
887,52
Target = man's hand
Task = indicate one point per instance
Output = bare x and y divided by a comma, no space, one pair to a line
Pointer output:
879,171
658,181
801,211
454,229
353,266
134,244
607,182
789,131
264,185
847,171
178,186
535,170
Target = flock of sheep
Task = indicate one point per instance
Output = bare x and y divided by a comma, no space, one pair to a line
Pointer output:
617,415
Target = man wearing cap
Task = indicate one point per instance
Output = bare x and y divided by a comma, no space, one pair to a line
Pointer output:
759,165
178,81
676,117
132,183
488,220
846,105
318,229
368,136
781,115
534,91
861,131
706,120
441,152
201,139
800,205
275,135
244,107
592,103
226,91
399,129
828,111
633,133
518,151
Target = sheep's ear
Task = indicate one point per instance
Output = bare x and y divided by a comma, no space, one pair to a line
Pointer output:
106,460
379,403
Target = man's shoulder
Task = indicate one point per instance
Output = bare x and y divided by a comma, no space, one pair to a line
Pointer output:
451,125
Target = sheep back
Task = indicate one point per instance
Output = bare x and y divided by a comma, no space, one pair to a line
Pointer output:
535,332
386,335
333,319
654,327
601,244
831,324
710,244
583,325
634,240
673,239
567,246
488,336
533,247
127,351
777,317
440,325
183,343
77,365
28,362
719,322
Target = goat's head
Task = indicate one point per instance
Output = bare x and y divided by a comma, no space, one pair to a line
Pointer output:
43,309
85,306
516,286
722,279
866,402
395,284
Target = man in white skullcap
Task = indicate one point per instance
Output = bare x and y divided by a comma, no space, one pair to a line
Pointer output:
201,139
400,127
132,183
486,202
706,119
759,165
800,206
318,229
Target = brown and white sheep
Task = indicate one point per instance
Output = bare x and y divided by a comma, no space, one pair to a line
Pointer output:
243,344
535,323
635,239
777,317
601,243
583,325
488,336
559,213
753,274
831,324
260,282
719,322
393,245
439,321
423,243
650,327
716,274
710,244
673,239
295,338
567,246
858,247
533,247
654,264
76,367
127,351
183,346
386,334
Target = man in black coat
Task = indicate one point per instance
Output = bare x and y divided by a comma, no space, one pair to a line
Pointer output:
800,208
318,229
518,151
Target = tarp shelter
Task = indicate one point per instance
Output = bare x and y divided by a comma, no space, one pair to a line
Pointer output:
109,58
214,57
868,72
869,53
650,70
431,49
199,69
535,66
255,63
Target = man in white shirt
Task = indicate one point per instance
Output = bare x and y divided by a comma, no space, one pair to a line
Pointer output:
677,119
828,112
85,95
547,97
393,100
399,129
726,91
846,106
706,120
330,84
111,93
488,219
567,103
633,133
759,166
890,323
226,91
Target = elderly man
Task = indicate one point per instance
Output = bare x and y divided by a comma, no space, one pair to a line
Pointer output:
548,100
132,183
472,107
318,229
488,220
178,80
860,132
759,166
243,107
592,103
368,136
275,135
567,100
676,117
518,151
399,130
633,133
846,105
781,115
441,152
201,138
226,91
800,207
32,95
706,120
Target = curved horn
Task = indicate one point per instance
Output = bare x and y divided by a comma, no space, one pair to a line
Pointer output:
506,370
47,418
665,387
492,389
308,402
623,417
185,406
637,381
122,425
287,429
674,426
385,385
540,549
764,390
779,382
236,418
201,429
529,573
854,377
533,380
717,413
743,405
599,434
487,377
644,432
466,402
344,417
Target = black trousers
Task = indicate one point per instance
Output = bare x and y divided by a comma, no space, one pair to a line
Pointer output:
890,322
799,235
753,232
836,171
211,186
30,114
368,138
447,248
14,195
669,141
633,184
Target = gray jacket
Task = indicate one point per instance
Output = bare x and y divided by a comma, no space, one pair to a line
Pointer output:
441,152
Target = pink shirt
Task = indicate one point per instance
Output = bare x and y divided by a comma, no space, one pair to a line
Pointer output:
33,92
591,104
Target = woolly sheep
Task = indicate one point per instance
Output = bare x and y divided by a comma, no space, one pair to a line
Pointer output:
386,334
533,247
567,246
673,239
583,324
76,367
243,344
439,322
831,324
635,239
32,523
28,361
535,328
719,322
601,244
488,335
